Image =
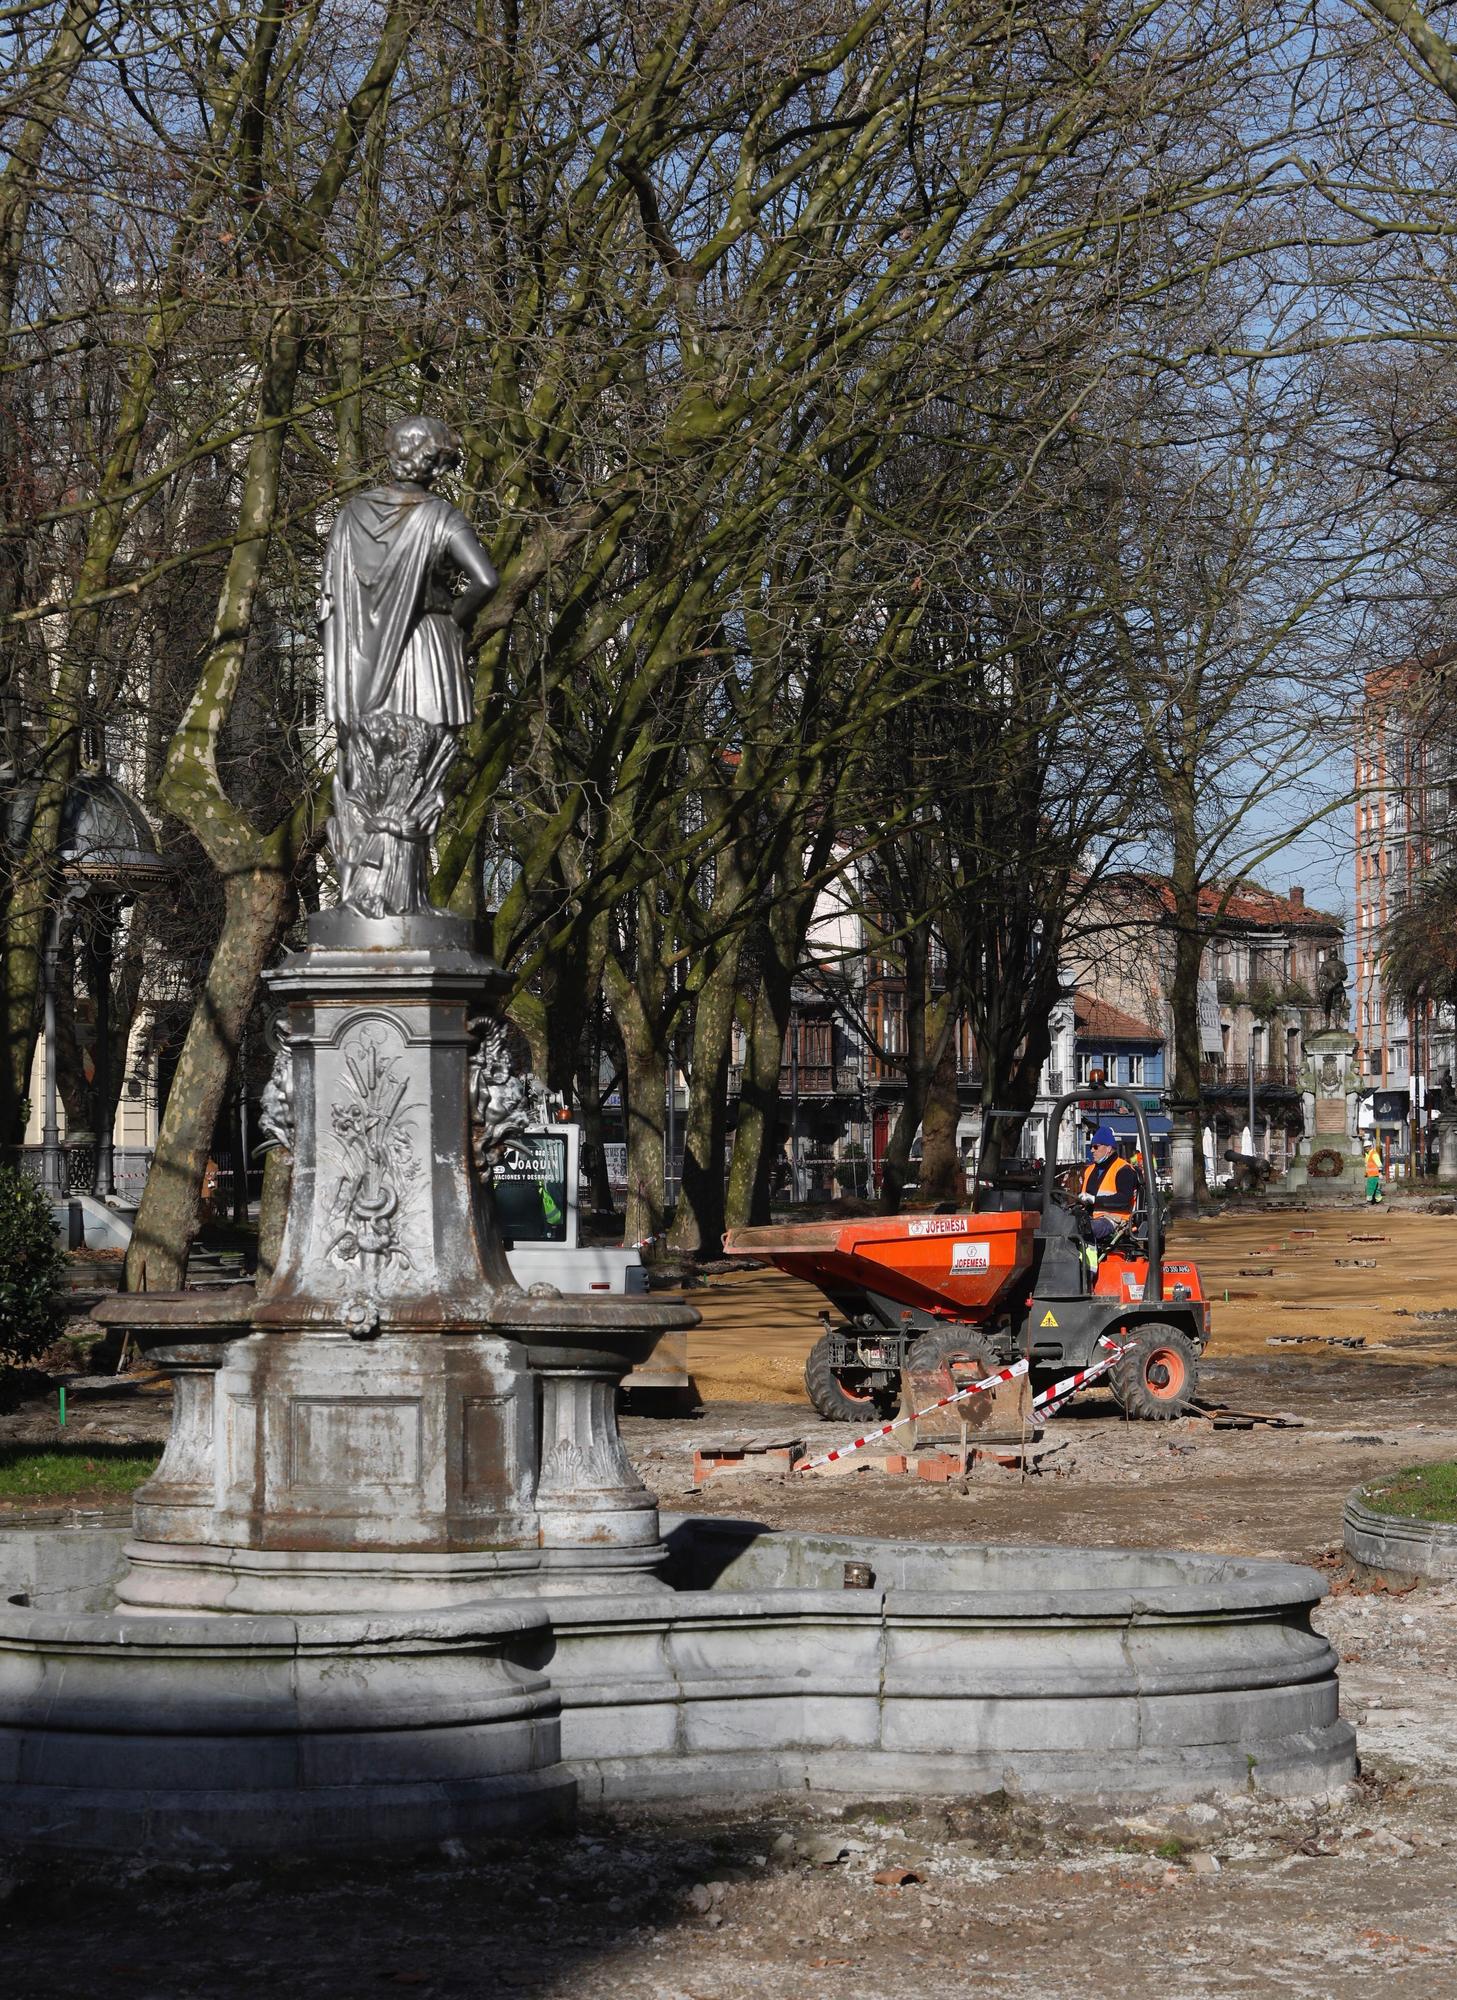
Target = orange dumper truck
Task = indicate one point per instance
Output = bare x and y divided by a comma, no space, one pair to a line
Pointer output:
955,1295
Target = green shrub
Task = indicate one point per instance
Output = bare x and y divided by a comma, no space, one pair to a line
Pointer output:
32,1265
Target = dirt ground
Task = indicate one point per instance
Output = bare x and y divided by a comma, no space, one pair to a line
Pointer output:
1229,1897
1298,1273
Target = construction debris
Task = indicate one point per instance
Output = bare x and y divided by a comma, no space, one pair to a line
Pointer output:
757,1455
1223,1418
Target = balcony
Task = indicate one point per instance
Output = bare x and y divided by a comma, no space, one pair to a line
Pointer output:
890,1075
821,1080
1233,1076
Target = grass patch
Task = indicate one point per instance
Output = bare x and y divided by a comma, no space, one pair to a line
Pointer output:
58,1472
1421,1492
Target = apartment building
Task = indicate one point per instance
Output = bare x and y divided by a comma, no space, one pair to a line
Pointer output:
1405,822
1259,990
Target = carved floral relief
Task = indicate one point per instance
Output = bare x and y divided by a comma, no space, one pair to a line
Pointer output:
376,1154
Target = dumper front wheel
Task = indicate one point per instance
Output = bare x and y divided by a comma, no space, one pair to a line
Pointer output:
842,1395
1158,1378
948,1359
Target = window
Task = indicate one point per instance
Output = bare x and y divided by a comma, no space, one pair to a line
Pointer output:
1135,1069
814,1042
1085,1067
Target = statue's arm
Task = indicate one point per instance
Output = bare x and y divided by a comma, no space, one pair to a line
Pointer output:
476,566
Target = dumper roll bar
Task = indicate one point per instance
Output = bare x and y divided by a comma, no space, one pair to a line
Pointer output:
1099,1094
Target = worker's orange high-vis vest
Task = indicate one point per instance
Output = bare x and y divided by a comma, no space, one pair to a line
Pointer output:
1373,1161
1096,1175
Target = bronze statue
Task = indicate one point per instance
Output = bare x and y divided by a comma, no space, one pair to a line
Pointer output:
396,685
1330,978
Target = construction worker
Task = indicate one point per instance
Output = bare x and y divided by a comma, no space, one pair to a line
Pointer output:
1110,1185
1374,1171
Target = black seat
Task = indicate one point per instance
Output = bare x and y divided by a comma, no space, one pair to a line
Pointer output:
1059,1268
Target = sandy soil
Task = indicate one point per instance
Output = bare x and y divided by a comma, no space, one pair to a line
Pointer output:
1234,1897
1297,1272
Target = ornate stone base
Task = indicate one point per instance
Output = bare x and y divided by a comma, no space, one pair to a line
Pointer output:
321,1474
404,1443
367,1432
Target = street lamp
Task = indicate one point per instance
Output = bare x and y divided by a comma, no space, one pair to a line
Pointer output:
106,854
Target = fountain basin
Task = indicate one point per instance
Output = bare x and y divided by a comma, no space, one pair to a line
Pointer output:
196,1737
1065,1672
1407,1544
966,1669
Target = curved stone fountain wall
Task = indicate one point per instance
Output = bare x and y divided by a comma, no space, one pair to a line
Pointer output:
964,1669
1404,1544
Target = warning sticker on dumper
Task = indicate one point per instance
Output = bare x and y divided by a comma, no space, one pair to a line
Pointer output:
971,1257
937,1225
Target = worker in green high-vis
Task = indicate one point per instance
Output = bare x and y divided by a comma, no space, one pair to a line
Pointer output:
550,1207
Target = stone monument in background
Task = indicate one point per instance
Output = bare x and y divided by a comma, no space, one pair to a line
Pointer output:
1328,1085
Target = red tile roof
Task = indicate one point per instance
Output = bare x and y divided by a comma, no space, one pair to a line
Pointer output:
1250,904
1096,1021
1244,903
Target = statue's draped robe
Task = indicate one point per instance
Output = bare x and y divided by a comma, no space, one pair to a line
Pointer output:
388,638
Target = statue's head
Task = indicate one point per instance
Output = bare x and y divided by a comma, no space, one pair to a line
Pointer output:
420,447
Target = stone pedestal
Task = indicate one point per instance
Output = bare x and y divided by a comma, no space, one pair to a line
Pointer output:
350,1475
1327,1082
385,1227
391,1423
1447,1146
367,1459
599,1523
187,1336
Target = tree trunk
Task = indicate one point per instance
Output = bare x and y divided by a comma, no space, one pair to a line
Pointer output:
928,1026
256,904
647,1080
257,869
781,942
698,1224
756,1142
941,1175
589,1104
273,1209
1186,1145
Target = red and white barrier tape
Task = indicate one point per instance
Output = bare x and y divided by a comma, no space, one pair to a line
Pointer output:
972,1389
1050,1401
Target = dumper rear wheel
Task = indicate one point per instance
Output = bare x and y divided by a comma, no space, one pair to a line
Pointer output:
1158,1379
843,1395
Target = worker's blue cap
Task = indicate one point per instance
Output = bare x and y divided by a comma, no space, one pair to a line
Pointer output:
1104,1136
